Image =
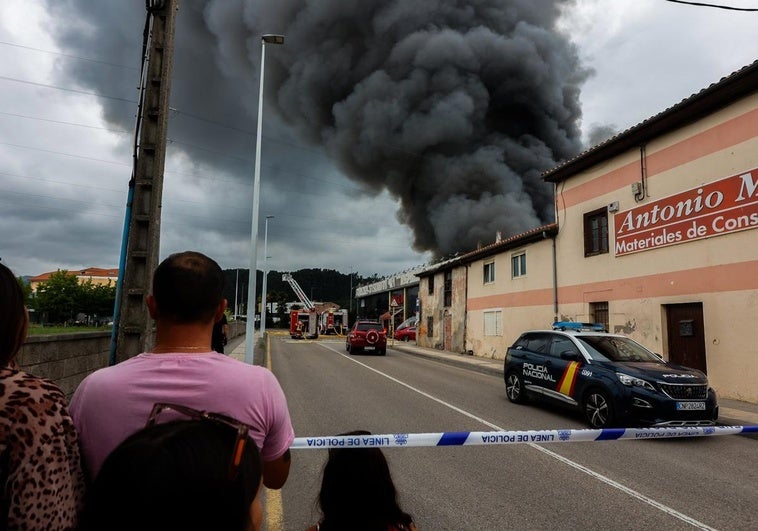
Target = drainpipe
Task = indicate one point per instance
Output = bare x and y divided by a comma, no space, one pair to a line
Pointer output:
465,312
555,280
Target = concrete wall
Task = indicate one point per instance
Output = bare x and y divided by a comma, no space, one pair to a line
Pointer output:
68,358
524,302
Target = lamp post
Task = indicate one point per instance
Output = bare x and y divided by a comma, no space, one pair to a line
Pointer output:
236,294
250,325
265,277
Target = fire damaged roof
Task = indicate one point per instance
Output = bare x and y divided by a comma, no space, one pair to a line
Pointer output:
710,99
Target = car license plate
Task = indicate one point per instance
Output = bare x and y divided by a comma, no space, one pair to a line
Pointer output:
690,406
372,348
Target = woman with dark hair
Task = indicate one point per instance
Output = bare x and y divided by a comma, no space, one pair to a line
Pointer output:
357,492
41,480
200,472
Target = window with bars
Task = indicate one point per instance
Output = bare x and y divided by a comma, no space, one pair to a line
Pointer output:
429,327
448,289
596,232
599,313
518,265
430,284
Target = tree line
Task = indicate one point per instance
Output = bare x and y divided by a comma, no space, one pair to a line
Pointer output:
64,299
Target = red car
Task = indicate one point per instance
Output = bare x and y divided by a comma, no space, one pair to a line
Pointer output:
367,336
406,334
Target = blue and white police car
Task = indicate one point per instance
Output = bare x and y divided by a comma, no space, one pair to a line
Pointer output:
611,378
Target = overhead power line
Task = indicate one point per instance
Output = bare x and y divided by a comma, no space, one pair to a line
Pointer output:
717,6
77,57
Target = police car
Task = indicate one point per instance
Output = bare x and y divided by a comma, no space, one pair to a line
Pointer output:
611,378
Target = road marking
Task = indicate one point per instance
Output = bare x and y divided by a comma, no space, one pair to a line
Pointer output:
274,509
608,481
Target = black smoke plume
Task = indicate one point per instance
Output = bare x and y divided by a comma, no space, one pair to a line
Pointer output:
454,107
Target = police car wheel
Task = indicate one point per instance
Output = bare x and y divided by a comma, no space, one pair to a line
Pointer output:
598,409
514,388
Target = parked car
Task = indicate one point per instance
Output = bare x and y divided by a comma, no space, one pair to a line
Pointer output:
411,321
368,336
610,378
406,334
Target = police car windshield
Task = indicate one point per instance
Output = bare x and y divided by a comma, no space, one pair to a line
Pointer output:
609,348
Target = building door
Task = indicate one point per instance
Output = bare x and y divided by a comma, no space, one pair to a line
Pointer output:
686,334
448,332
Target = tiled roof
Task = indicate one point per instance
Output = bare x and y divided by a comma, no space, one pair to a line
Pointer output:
516,240
80,273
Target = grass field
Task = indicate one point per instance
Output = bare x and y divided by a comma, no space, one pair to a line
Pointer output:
37,330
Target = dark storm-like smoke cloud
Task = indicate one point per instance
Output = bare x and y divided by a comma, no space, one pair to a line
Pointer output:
455,107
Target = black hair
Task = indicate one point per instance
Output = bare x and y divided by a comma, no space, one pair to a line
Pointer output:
174,475
188,287
12,316
357,491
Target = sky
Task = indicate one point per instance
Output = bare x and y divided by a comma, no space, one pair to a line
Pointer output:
394,133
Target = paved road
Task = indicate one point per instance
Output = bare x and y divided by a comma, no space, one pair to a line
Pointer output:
673,484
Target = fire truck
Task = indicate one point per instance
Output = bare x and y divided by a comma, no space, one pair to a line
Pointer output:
333,321
303,323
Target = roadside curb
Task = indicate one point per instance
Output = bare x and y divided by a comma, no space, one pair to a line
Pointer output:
483,365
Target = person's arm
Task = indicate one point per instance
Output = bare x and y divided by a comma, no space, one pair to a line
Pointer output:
275,472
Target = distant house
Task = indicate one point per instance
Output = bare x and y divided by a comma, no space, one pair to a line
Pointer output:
97,275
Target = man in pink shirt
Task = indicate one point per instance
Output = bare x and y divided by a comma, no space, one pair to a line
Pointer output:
114,402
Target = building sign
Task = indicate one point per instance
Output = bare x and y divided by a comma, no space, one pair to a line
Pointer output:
714,209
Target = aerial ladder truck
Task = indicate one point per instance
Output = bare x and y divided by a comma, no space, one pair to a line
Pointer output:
303,323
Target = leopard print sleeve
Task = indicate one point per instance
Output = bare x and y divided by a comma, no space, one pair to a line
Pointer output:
40,471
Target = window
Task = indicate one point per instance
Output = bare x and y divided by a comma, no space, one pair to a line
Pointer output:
448,288
489,272
431,285
429,327
534,342
599,313
562,344
596,232
493,323
518,264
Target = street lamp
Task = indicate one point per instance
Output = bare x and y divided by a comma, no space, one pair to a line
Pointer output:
250,325
265,277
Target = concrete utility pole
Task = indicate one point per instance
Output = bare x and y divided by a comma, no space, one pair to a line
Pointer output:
135,328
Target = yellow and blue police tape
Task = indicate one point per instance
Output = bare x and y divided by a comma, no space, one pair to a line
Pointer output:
473,438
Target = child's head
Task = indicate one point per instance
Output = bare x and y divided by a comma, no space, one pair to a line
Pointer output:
357,487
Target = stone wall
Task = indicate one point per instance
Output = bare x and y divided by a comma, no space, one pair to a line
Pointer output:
65,358
68,358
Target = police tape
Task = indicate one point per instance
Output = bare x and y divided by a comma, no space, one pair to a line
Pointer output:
478,438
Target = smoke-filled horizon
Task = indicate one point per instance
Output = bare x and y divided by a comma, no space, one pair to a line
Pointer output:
453,107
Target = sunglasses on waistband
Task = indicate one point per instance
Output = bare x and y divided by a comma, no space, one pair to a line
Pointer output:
241,428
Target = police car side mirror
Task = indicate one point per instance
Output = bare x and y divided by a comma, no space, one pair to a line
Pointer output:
569,355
